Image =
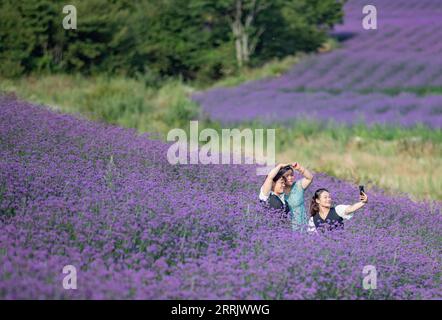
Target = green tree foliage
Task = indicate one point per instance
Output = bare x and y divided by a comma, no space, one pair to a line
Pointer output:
193,39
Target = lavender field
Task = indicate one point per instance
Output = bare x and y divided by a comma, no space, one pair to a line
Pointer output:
105,200
392,75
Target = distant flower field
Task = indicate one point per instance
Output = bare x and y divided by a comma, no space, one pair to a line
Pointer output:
389,75
105,200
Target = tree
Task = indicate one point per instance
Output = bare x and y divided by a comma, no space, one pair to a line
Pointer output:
274,28
242,24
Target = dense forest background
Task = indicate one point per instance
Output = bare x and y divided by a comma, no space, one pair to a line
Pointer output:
193,39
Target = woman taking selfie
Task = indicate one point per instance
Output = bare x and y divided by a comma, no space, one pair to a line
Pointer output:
324,216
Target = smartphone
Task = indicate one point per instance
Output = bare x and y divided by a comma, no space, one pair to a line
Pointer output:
361,189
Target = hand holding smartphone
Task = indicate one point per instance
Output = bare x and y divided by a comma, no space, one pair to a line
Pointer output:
362,194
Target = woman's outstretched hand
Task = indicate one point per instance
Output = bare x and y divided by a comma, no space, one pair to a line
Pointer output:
358,205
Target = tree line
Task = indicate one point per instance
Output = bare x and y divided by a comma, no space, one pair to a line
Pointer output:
193,39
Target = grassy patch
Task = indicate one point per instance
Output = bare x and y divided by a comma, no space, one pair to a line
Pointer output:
274,68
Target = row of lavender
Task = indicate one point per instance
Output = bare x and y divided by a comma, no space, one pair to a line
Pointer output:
404,109
403,54
106,201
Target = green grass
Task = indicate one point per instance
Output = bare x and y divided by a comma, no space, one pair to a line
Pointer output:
274,68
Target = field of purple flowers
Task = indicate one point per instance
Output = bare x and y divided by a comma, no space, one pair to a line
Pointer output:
105,199
377,76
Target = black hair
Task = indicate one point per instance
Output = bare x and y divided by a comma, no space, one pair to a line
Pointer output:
314,206
281,172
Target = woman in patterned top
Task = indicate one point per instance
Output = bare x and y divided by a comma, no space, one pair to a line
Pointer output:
294,194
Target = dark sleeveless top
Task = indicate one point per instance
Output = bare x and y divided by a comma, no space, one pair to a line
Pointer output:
274,202
332,221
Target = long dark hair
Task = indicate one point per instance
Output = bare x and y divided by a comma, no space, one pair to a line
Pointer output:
282,172
314,206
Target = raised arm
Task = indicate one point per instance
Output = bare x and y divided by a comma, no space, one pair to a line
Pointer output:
308,176
267,185
358,205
